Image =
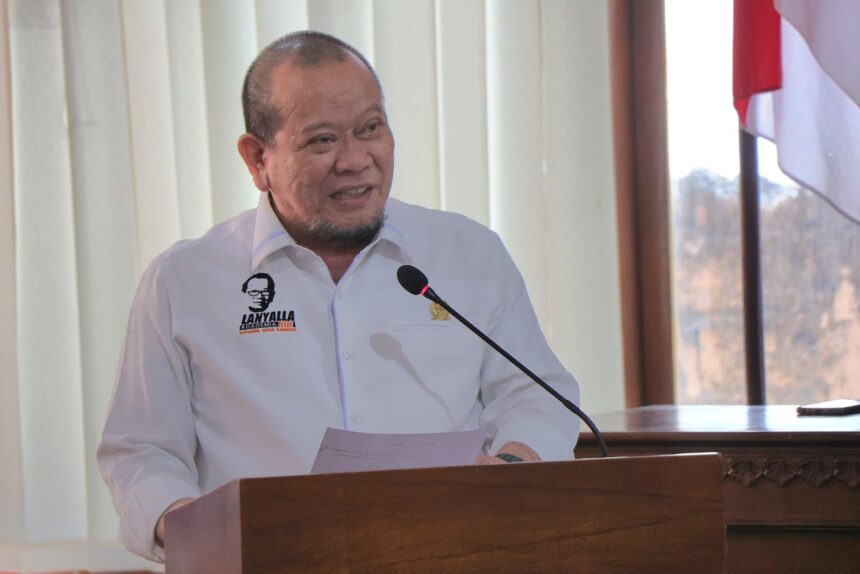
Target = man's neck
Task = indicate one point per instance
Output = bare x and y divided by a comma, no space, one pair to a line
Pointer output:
336,259
336,256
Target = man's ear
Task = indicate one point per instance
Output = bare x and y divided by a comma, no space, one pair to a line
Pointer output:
251,150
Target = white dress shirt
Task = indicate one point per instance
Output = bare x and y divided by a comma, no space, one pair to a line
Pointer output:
209,390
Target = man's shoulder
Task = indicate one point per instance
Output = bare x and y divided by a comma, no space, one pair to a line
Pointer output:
424,220
234,234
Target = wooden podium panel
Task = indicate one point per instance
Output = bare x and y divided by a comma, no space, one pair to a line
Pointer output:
791,485
661,513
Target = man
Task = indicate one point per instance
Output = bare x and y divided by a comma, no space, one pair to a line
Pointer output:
208,392
260,287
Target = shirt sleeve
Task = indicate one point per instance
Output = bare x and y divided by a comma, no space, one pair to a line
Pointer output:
146,455
516,409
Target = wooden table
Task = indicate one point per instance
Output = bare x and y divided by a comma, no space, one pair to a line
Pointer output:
791,484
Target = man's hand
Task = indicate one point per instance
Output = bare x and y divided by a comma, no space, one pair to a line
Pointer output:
159,528
514,448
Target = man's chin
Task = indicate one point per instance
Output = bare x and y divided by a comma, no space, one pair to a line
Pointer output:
346,235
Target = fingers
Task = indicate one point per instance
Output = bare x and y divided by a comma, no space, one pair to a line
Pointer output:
487,459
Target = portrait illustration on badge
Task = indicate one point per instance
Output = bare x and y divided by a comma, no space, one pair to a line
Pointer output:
260,287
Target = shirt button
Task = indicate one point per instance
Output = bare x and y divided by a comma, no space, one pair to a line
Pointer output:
347,354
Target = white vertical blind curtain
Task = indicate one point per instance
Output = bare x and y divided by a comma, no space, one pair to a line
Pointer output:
11,484
118,128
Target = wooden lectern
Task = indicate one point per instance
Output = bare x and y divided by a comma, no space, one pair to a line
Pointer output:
636,514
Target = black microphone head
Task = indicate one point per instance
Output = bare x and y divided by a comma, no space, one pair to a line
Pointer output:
412,279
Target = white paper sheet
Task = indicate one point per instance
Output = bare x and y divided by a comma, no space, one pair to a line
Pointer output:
347,451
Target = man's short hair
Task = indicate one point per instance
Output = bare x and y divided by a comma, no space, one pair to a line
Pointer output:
270,283
306,48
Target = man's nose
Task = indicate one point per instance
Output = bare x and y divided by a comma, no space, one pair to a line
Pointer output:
353,156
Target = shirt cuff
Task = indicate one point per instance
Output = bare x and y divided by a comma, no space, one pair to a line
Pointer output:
543,438
145,505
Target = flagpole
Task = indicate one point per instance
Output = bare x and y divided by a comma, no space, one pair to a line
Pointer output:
751,261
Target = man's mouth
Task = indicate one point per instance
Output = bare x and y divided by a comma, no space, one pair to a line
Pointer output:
350,193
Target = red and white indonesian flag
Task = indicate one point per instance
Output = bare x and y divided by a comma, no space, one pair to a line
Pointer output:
797,83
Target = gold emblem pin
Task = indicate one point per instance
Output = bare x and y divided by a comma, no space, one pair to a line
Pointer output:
438,313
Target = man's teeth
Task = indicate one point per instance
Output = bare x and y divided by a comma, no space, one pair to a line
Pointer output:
350,192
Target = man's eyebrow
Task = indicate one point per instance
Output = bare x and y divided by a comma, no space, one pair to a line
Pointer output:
316,126
375,108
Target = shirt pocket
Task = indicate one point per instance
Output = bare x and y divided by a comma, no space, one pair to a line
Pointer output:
445,352
425,326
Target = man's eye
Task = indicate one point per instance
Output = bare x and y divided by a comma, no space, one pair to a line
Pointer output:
322,140
371,128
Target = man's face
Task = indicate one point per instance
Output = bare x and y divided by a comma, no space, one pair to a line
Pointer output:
331,164
260,293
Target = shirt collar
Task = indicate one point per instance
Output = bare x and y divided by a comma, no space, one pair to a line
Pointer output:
270,235
392,227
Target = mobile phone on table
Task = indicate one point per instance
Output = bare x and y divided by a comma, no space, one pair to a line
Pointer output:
835,407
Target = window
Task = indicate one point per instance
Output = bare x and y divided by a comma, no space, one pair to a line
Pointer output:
809,253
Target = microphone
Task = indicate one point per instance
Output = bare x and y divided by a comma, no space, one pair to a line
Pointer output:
413,280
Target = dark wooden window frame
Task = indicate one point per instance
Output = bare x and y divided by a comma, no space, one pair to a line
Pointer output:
638,57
